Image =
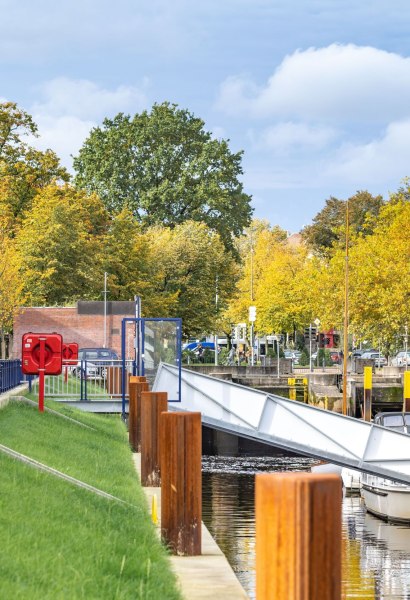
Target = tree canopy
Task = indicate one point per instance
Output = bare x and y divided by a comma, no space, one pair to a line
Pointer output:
24,170
166,169
328,226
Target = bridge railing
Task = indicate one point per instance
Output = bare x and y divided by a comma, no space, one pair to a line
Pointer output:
10,374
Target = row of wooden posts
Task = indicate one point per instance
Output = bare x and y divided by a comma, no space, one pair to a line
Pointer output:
298,515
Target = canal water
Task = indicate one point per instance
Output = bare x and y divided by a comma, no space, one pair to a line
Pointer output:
376,555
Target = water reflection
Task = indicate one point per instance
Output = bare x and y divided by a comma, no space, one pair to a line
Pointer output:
376,555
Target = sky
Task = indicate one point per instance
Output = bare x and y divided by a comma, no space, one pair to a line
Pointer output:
315,92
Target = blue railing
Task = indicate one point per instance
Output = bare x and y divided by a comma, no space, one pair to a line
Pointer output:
10,374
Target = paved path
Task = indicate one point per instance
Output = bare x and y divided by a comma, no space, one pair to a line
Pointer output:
201,577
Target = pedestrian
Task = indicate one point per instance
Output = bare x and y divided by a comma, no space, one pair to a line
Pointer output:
200,353
231,356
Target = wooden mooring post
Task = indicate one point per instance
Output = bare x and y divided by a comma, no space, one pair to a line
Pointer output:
298,536
181,484
367,394
406,391
137,385
152,405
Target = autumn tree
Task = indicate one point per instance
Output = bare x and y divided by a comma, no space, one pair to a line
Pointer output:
380,287
255,248
23,169
192,265
131,266
60,249
167,169
11,286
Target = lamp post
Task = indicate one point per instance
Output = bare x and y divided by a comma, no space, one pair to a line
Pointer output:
105,292
317,323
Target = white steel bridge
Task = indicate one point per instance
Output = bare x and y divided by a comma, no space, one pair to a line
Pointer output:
288,424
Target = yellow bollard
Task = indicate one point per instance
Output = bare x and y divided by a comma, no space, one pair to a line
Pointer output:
367,401
406,391
154,510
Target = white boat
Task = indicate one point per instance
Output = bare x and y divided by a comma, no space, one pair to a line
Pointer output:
384,498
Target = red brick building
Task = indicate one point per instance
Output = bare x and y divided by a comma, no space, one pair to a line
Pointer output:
84,324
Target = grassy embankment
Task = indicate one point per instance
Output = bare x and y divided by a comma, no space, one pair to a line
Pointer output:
58,541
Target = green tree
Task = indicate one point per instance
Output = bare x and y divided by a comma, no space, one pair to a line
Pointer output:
167,169
327,228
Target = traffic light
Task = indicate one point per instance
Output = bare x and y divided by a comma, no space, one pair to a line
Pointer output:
310,332
234,333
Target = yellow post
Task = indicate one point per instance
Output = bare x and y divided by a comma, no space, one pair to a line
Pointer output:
367,402
154,510
406,391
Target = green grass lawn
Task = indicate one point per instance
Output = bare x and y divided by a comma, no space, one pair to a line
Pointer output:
58,541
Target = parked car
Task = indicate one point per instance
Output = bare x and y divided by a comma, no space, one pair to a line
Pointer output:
294,355
87,370
379,359
401,358
336,357
92,361
107,356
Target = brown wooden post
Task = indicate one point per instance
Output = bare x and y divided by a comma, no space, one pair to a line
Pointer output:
298,536
367,394
406,391
134,416
181,483
152,405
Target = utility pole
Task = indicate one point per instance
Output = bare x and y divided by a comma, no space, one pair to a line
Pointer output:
216,315
346,313
252,322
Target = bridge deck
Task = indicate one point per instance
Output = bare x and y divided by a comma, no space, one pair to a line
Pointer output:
289,424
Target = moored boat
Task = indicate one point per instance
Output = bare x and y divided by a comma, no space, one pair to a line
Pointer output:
382,497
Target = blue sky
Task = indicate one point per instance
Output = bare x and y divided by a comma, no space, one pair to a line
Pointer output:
316,93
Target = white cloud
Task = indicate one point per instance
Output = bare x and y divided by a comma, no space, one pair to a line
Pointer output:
377,161
339,82
71,108
284,138
86,100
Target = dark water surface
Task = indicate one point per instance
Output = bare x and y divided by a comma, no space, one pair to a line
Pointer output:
376,555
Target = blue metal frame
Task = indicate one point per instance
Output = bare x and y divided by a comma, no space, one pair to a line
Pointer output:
140,336
10,374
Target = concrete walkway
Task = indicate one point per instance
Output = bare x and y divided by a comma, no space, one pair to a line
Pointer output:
17,391
200,577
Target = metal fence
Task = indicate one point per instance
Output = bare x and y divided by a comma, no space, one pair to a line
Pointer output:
87,381
10,374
